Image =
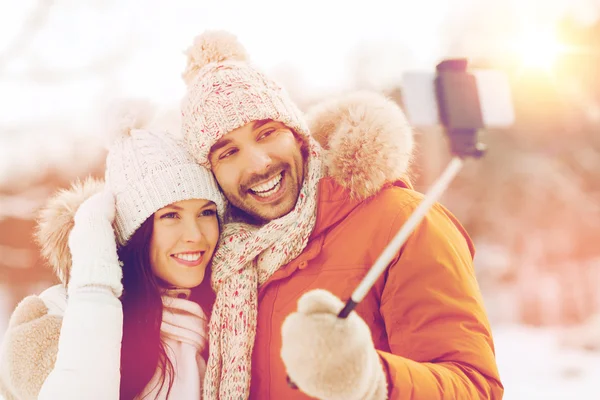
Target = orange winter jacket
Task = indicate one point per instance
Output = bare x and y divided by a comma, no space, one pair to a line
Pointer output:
426,313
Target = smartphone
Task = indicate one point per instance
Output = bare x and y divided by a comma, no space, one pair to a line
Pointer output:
493,88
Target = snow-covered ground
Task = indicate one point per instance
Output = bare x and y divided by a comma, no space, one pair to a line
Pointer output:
534,365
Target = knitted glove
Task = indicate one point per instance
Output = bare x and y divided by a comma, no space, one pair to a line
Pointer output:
331,358
93,245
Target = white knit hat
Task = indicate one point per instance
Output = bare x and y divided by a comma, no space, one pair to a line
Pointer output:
225,92
147,171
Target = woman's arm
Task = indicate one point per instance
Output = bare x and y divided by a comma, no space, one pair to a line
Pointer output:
89,348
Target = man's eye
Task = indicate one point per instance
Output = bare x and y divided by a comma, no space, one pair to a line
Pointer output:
227,153
266,134
169,215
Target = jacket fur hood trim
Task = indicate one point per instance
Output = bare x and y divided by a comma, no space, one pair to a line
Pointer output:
366,139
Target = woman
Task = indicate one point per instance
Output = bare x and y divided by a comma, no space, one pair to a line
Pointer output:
134,325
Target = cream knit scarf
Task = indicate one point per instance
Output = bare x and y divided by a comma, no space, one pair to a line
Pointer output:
246,258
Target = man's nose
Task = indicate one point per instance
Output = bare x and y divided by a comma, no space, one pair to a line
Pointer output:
257,161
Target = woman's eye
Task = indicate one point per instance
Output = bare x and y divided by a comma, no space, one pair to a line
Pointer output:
169,215
208,213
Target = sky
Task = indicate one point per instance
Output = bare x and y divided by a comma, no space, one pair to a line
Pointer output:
55,78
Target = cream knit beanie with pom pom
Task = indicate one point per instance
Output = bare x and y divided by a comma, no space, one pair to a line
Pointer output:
225,92
147,171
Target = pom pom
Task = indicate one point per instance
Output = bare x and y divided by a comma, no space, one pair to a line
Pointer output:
209,47
126,115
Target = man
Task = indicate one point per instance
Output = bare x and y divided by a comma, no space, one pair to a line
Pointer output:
305,216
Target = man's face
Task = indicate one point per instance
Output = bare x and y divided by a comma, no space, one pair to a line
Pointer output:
259,168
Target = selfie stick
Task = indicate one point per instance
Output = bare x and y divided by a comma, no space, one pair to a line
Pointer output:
460,114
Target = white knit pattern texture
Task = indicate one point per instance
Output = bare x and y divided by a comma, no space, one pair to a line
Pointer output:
93,250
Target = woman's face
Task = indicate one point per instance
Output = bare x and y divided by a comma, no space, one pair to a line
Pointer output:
183,240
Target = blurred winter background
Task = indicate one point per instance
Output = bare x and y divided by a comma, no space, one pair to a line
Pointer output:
532,204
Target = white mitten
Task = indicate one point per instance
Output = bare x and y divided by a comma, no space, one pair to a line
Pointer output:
331,358
93,245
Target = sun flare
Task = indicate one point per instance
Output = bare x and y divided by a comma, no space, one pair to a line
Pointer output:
539,50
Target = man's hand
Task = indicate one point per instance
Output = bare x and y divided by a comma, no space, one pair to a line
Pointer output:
331,358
